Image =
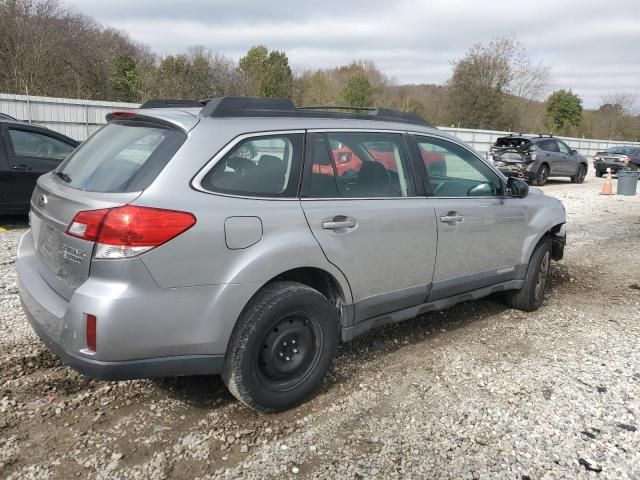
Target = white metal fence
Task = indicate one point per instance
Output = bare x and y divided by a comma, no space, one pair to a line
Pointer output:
80,118
75,118
481,140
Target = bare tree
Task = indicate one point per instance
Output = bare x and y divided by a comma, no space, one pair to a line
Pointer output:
484,79
624,101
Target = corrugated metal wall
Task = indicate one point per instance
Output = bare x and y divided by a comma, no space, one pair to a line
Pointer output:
481,140
80,118
75,118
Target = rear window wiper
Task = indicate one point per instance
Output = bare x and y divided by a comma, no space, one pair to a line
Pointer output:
62,176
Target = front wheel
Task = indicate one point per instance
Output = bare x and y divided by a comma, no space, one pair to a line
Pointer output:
530,297
542,176
580,174
281,347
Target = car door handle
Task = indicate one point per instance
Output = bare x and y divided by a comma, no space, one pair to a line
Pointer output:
451,217
21,168
334,224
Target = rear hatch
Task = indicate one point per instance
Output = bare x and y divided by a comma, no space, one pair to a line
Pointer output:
109,170
616,155
511,150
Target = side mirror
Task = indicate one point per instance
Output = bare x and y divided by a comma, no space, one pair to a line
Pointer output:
574,152
516,187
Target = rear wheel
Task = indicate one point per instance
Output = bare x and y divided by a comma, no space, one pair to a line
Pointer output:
542,176
531,295
580,174
282,347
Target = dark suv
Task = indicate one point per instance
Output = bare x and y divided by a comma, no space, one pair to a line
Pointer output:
26,152
536,158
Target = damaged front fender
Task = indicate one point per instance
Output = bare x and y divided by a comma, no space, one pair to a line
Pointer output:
558,241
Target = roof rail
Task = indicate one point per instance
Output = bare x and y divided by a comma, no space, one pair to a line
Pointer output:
165,103
284,107
545,135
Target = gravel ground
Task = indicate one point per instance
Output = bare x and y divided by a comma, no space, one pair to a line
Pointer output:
478,391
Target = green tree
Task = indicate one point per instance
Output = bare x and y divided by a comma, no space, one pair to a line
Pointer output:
357,92
125,79
252,67
564,110
277,79
266,74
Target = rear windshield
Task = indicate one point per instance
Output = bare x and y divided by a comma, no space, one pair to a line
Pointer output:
621,150
121,157
517,143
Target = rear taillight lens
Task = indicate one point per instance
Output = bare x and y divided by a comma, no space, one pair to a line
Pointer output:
123,114
129,230
86,224
91,332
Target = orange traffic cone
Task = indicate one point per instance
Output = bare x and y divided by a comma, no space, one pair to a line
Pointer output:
607,188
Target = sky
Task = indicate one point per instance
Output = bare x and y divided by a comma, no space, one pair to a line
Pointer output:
592,47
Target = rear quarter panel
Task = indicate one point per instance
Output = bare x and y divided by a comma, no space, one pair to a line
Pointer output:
200,256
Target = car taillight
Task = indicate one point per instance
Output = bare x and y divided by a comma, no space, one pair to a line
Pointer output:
91,332
85,225
129,230
123,114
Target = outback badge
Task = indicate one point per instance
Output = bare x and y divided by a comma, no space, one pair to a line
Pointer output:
73,254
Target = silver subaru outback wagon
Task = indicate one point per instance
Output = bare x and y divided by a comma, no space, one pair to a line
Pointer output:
247,237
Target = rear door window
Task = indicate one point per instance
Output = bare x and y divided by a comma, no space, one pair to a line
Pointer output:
259,166
360,165
121,157
549,146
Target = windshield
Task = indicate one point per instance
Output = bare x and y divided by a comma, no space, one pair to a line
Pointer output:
121,157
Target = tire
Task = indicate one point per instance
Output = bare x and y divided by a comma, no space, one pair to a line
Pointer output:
599,173
542,175
530,297
580,174
281,347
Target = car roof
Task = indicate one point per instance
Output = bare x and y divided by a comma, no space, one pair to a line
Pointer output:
21,123
188,118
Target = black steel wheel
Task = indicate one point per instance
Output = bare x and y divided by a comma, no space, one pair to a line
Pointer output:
290,352
281,347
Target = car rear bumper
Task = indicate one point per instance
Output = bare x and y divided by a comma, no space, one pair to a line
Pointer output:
143,330
132,369
517,172
602,166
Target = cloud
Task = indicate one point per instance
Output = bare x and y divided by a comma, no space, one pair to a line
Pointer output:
591,47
